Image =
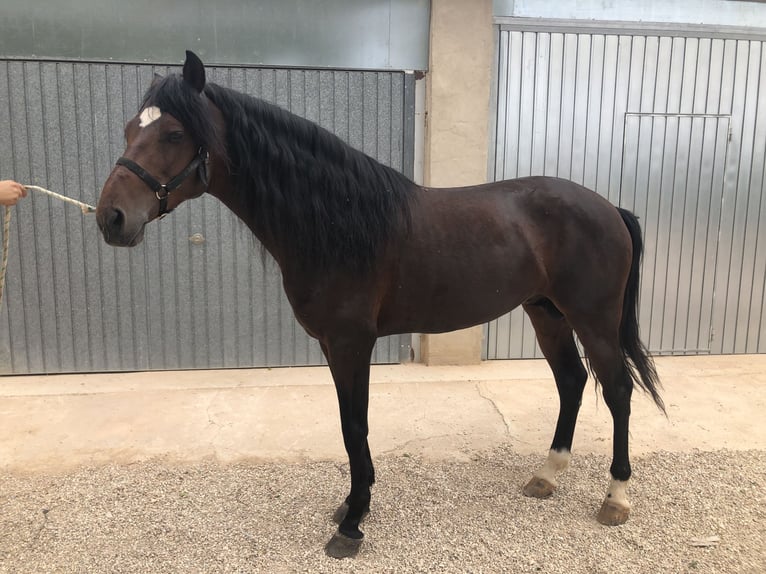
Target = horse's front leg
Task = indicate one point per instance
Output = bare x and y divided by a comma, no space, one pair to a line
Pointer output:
349,360
342,510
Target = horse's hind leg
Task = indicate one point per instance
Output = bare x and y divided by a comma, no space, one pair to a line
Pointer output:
600,337
555,337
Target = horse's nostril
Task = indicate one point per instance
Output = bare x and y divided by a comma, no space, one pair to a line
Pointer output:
111,221
116,219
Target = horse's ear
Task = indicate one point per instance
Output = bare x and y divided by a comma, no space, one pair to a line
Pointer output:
194,71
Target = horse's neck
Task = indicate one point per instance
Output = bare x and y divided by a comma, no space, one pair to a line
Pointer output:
278,233
221,187
223,184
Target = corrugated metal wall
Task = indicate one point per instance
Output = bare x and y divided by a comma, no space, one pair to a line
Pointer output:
73,303
671,127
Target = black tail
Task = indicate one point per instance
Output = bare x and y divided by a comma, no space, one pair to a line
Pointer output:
640,366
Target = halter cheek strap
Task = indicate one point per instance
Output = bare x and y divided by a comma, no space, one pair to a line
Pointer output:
162,190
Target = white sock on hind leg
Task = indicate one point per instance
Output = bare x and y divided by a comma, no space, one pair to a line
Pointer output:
554,464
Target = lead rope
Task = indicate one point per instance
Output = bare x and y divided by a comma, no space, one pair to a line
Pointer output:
6,239
7,228
84,206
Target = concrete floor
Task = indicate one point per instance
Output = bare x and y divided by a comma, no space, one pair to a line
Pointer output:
51,423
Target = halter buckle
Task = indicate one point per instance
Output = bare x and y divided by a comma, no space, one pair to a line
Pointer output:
164,188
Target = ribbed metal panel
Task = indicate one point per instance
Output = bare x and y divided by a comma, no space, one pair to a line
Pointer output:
673,128
73,303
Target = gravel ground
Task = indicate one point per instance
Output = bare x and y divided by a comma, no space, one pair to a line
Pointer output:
427,516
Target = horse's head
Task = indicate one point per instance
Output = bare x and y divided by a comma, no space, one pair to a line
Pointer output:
165,161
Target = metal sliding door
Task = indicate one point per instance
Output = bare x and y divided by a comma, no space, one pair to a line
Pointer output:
682,160
670,127
198,292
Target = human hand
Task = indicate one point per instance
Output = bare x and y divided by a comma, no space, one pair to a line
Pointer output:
11,192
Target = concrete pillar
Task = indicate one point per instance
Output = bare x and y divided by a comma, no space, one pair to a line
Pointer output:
457,123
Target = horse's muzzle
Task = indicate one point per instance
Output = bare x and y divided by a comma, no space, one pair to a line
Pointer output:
113,224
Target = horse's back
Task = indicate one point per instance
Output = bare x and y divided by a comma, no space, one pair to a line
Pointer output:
514,217
554,197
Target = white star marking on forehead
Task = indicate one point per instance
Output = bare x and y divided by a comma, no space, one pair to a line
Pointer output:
148,115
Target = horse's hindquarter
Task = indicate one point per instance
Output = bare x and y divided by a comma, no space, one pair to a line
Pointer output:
476,253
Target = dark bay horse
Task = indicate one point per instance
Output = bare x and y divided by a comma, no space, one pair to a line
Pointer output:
364,252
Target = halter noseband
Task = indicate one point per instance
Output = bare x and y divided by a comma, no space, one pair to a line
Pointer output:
162,190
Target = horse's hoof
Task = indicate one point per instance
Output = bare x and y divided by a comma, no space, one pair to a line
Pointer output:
340,513
538,488
612,515
342,546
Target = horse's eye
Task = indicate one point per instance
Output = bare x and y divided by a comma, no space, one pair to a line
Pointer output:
175,137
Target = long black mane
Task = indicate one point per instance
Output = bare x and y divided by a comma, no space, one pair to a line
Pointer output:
324,203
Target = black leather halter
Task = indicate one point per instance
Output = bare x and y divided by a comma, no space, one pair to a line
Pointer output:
162,190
